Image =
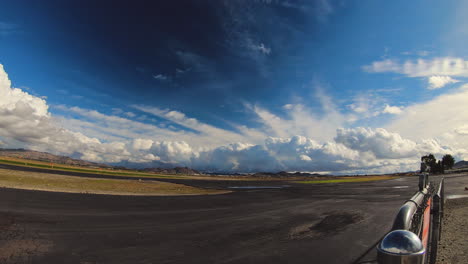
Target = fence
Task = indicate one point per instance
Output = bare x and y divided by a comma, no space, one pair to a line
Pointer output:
417,227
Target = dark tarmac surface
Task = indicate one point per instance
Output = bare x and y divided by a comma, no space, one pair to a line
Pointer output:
325,223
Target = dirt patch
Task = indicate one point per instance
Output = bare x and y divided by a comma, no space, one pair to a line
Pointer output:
331,224
453,247
22,250
15,247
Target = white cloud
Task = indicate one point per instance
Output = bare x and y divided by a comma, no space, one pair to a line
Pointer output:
176,152
160,77
446,66
130,114
462,130
303,140
442,118
380,142
358,108
288,106
395,110
437,81
213,135
433,118
368,104
14,99
142,144
25,121
300,120
260,47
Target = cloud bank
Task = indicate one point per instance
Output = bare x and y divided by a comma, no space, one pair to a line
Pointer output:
438,71
447,66
299,140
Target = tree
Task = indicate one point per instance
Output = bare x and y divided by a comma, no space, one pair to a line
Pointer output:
448,161
438,168
428,163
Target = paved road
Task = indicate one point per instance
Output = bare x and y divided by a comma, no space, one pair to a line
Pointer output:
329,223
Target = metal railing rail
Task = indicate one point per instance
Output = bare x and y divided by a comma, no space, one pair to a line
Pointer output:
415,234
404,218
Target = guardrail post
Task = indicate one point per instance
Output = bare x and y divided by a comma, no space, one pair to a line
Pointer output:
423,181
437,213
435,228
441,193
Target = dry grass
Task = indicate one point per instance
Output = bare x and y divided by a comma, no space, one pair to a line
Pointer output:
62,183
64,167
125,173
349,179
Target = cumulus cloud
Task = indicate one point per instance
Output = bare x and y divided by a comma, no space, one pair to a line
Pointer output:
26,121
296,145
380,142
142,144
437,81
360,149
177,152
445,66
395,110
292,154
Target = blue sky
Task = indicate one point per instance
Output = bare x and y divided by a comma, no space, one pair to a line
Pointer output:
340,86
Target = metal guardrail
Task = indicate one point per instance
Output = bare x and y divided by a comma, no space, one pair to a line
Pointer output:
437,215
416,230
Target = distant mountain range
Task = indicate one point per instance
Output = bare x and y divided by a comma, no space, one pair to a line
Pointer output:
153,167
176,170
284,174
47,157
460,164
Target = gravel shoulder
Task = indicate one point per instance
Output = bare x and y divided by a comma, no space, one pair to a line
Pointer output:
453,247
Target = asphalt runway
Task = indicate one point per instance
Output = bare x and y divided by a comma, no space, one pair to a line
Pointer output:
326,223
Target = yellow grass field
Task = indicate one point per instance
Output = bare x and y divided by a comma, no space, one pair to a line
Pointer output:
72,184
126,173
